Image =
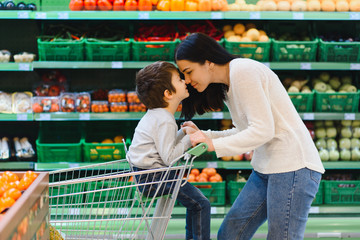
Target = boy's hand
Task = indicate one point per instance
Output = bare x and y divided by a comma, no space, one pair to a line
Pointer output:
200,137
190,124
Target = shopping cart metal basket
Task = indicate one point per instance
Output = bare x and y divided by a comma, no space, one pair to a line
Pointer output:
107,200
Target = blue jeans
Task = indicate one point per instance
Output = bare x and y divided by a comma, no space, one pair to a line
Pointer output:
197,205
284,199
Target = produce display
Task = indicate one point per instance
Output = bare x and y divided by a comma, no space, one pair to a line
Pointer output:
206,175
18,102
18,148
18,5
5,56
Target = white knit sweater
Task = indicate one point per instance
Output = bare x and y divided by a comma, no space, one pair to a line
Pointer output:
266,121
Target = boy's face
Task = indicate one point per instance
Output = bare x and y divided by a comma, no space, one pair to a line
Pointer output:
179,85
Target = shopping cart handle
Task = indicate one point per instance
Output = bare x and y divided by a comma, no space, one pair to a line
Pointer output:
198,149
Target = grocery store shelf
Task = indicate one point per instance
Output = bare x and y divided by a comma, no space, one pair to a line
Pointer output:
16,165
137,65
16,117
160,15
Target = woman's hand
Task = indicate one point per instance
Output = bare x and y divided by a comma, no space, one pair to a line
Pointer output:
200,137
188,130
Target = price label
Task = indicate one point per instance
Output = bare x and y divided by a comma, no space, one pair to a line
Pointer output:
40,15
217,15
305,66
63,15
123,211
21,117
298,15
213,210
255,15
74,211
354,16
44,117
217,115
349,116
23,15
355,66
116,64
144,15
73,165
211,164
24,66
314,209
84,116
309,116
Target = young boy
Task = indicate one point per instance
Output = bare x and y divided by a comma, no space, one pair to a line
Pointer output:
157,140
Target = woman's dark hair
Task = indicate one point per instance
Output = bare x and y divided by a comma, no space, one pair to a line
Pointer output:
152,81
198,48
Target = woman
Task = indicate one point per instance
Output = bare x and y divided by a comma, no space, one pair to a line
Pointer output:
286,165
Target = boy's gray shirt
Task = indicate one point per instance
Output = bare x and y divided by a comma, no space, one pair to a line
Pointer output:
157,140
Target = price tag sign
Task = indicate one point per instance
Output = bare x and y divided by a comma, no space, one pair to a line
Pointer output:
40,15
24,67
354,16
144,15
44,117
314,209
211,164
213,210
123,211
217,115
84,116
217,15
73,165
255,15
74,211
354,66
116,64
23,15
21,117
63,15
349,116
309,116
305,66
298,15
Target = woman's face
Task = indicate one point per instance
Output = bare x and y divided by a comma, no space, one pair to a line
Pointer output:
195,74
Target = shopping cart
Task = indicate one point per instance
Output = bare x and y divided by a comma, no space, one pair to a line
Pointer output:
107,200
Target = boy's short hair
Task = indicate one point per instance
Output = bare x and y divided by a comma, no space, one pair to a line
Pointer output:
152,81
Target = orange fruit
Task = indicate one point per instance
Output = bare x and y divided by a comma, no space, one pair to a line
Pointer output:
191,178
211,172
10,176
195,171
31,175
12,193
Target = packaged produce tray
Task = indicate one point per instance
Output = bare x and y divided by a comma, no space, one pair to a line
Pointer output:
214,191
303,102
28,219
153,51
233,190
259,51
339,51
59,142
337,102
342,192
107,50
61,51
36,2
55,5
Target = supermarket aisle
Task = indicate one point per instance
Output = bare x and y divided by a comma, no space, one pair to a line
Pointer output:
323,228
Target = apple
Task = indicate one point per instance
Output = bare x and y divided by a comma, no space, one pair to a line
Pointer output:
356,132
324,76
345,143
345,155
331,143
226,158
320,143
355,154
331,132
346,132
328,123
324,155
320,133
334,155
312,133
355,123
238,157
346,123
355,143
248,155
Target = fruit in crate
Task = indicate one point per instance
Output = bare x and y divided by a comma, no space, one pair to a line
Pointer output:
334,155
324,155
206,175
345,155
345,143
118,139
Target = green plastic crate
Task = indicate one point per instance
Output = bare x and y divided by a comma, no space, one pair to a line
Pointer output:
337,102
319,197
342,192
55,5
303,102
339,51
61,51
233,190
59,142
259,51
214,191
294,51
107,51
66,194
120,196
153,51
